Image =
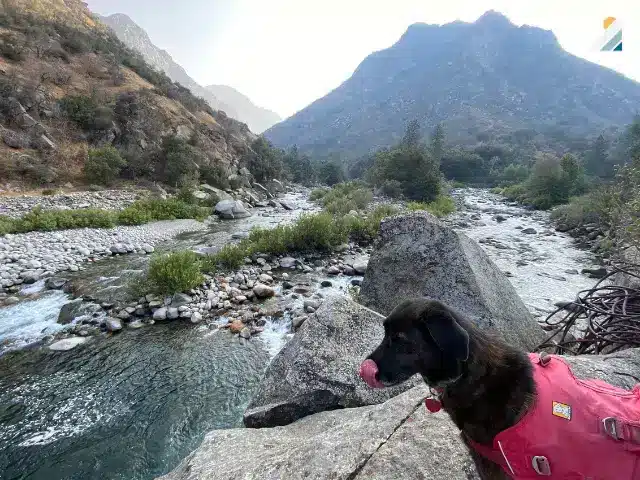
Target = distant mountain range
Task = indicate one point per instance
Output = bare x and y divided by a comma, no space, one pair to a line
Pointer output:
220,97
485,79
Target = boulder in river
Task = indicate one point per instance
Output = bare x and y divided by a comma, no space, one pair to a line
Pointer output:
396,439
529,231
231,209
417,256
113,324
318,369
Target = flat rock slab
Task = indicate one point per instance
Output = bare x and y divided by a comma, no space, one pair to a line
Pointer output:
337,445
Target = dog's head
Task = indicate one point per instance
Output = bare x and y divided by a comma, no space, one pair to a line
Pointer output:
420,336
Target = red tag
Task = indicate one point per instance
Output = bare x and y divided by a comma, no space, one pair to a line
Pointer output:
432,405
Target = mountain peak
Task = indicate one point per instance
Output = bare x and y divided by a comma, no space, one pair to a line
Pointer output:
488,77
493,18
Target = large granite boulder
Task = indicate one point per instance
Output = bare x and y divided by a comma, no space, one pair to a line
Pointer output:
396,439
318,369
215,194
416,255
231,209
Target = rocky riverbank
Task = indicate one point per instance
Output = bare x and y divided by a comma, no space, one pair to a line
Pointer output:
17,206
267,287
27,257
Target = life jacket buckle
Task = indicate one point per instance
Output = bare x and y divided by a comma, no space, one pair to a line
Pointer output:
541,466
610,425
544,358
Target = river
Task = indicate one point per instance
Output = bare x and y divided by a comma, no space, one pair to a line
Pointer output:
132,405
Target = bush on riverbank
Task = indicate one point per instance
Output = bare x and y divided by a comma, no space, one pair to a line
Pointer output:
343,197
440,207
315,232
174,272
138,213
553,181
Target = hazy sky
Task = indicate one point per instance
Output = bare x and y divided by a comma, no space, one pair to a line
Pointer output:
284,54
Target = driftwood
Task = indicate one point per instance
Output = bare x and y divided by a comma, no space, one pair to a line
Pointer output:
603,319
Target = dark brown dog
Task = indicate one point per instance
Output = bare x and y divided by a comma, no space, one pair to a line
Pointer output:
486,385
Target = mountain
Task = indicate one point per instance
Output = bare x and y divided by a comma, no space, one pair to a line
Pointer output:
487,79
69,88
220,97
259,119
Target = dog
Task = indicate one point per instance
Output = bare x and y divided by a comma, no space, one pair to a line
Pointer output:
504,400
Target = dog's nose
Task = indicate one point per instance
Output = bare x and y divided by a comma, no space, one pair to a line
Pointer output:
369,373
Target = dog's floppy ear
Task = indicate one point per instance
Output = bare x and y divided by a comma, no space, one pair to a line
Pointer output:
447,332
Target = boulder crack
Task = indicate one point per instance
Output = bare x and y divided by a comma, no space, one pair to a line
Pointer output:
362,464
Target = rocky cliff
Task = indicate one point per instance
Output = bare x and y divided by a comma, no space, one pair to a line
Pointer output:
220,97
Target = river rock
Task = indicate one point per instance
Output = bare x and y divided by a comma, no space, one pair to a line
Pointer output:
288,262
287,205
55,283
236,326
263,291
529,231
67,344
180,300
297,322
231,209
318,369
161,314
172,313
595,272
196,317
360,266
393,440
69,311
113,324
245,333
333,270
416,255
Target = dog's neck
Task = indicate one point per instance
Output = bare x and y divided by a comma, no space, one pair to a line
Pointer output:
494,390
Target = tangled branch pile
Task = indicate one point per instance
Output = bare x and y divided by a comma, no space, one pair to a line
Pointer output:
603,319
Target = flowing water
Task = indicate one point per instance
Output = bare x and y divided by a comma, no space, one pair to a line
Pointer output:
131,406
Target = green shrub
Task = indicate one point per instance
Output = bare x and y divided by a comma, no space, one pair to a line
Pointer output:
49,220
318,194
7,225
81,109
12,49
392,188
103,165
344,197
230,257
440,207
175,272
365,229
215,175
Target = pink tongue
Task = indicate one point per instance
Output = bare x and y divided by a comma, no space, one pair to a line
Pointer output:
368,372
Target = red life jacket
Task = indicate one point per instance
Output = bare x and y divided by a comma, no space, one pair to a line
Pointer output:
576,430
